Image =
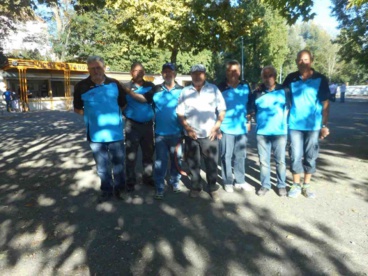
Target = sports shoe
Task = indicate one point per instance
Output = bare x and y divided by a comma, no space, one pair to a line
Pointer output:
176,189
229,188
215,195
282,192
295,191
148,182
117,195
263,191
244,186
129,189
307,191
194,193
159,196
104,196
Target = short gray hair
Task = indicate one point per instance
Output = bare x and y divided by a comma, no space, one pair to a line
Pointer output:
231,63
91,59
270,68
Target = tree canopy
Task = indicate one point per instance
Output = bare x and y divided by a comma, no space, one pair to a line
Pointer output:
193,31
353,38
183,25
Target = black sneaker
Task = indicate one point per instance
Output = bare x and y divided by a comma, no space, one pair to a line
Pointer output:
262,191
149,182
215,196
104,196
129,189
282,192
118,195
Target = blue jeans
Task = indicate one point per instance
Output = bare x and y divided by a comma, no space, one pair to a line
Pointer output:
233,146
165,147
277,144
342,97
109,158
8,105
304,151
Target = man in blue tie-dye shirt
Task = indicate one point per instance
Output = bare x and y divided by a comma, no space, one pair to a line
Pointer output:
308,118
100,100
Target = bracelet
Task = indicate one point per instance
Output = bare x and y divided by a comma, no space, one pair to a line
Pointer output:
324,126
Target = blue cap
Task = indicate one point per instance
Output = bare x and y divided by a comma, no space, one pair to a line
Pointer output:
198,68
168,66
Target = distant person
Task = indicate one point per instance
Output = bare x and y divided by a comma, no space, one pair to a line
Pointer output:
342,92
168,130
333,90
234,129
100,100
200,110
270,103
7,96
139,129
15,101
307,121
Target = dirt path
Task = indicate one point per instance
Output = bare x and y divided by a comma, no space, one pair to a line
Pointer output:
50,223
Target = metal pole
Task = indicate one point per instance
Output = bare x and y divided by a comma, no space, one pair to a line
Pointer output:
280,74
242,57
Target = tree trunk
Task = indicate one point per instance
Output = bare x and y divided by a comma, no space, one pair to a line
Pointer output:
174,54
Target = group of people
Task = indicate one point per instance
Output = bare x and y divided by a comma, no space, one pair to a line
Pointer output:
212,121
342,89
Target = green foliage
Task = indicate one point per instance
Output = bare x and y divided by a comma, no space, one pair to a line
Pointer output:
93,33
353,37
11,11
194,25
356,3
292,10
319,42
264,45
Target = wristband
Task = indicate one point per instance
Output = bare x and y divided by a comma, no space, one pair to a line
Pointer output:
324,126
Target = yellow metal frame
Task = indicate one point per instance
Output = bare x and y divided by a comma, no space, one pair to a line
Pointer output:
22,65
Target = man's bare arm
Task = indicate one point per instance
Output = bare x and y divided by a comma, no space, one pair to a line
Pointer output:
191,133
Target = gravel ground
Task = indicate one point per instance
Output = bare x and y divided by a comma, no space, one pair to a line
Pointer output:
50,223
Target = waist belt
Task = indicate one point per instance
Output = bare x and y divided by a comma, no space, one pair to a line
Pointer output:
140,123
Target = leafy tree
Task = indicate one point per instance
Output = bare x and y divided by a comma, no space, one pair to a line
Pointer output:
264,45
319,42
356,3
11,11
94,33
353,37
184,25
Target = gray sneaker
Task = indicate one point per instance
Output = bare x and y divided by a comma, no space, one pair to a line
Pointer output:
263,191
307,191
244,186
176,189
159,196
282,192
295,191
105,196
229,188
194,193
215,196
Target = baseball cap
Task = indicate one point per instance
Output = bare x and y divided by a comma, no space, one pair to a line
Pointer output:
168,65
198,68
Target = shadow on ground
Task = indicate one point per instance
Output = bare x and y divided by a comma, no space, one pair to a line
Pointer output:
50,223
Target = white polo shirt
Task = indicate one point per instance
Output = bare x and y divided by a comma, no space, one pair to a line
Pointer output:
200,108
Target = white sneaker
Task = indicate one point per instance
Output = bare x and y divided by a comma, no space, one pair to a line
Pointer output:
176,189
244,186
229,188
